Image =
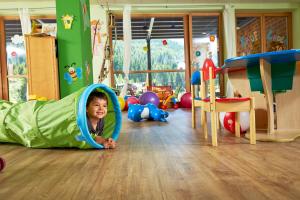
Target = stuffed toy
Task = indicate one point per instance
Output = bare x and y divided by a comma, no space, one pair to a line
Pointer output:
137,112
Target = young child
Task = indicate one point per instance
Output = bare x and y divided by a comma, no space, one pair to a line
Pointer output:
96,110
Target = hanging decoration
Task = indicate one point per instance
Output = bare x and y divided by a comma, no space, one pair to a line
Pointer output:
96,36
68,21
145,48
164,42
212,38
17,39
198,53
13,54
127,46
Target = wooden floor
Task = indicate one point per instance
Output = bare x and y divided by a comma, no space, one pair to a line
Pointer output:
155,160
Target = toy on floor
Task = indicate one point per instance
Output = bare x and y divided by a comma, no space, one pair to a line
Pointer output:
2,164
170,99
137,112
149,97
227,120
63,123
186,100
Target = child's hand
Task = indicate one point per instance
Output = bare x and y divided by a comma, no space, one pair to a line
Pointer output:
106,145
112,144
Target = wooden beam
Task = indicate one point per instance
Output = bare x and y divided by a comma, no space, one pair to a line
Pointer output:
3,71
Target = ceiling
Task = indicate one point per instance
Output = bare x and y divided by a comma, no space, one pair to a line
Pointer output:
163,1
168,27
163,27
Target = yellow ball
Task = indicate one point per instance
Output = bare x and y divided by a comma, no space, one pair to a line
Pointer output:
121,102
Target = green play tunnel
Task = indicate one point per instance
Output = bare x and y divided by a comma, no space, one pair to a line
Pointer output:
47,124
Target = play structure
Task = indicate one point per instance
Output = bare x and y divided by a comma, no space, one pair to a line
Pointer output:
63,123
137,112
167,98
276,75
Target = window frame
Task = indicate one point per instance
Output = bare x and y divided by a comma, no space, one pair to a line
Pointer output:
4,93
263,26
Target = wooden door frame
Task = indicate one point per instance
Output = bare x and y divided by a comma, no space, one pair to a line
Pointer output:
220,43
3,63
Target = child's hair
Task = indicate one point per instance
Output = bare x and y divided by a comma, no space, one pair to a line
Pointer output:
96,94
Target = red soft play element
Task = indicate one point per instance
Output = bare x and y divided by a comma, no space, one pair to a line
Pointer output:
2,164
228,99
206,65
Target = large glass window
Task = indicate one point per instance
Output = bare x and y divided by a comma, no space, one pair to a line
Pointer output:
16,55
16,61
157,53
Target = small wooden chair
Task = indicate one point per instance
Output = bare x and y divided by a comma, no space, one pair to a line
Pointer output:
215,105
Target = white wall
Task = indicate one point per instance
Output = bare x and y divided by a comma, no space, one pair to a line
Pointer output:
98,13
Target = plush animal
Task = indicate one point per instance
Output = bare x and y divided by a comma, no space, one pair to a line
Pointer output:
137,112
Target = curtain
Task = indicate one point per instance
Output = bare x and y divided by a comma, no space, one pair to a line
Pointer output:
127,45
25,20
230,38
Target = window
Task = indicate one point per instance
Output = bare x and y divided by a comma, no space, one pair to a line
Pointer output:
257,33
15,61
14,69
157,55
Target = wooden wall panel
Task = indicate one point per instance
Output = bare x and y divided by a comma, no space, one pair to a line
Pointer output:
288,105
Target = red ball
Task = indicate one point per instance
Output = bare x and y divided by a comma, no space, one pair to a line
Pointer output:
2,164
186,100
133,100
229,122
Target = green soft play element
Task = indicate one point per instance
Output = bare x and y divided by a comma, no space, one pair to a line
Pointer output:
45,124
253,73
282,77
74,46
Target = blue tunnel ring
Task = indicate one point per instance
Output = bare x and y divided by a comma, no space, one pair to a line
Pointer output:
81,114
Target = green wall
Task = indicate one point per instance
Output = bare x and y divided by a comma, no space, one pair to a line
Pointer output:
74,46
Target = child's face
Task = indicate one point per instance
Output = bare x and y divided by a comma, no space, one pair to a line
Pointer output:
97,108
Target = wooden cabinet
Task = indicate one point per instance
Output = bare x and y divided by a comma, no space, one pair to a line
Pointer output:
43,77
